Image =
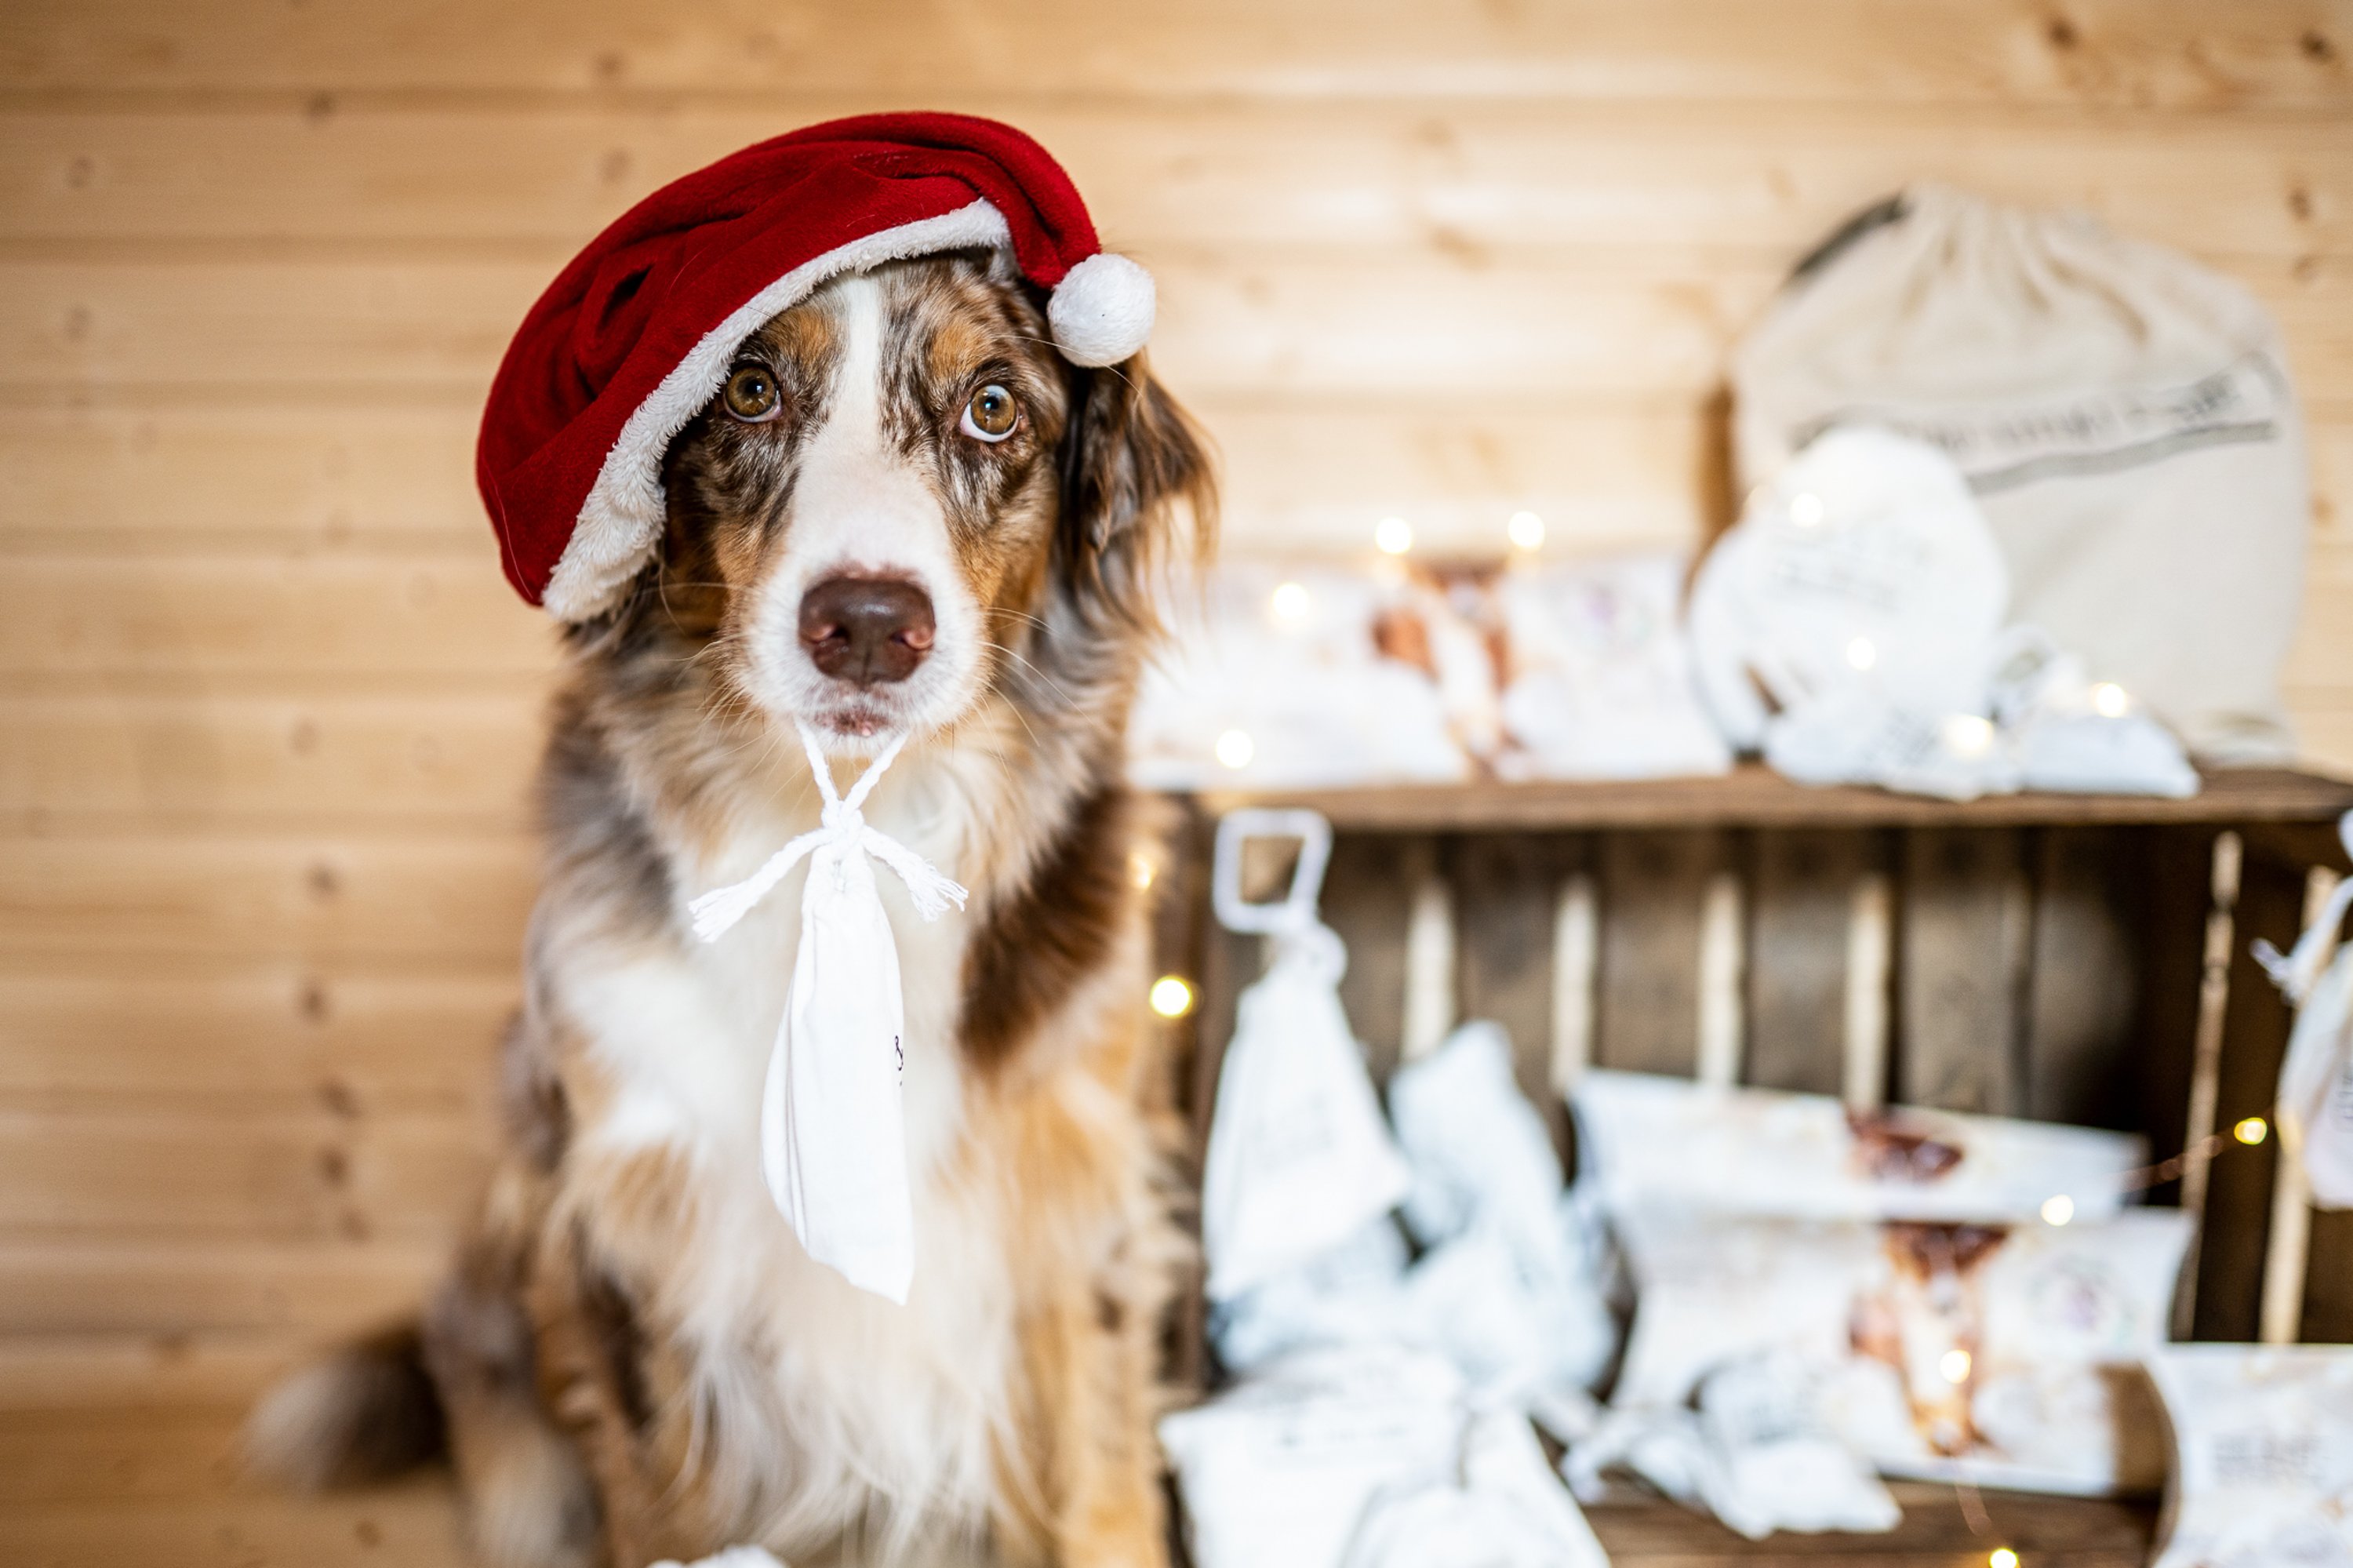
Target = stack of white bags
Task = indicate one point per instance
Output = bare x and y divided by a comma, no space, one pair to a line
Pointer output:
1819,1299
1854,627
1382,1412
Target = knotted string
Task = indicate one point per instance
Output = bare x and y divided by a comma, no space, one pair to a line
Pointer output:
2298,971
842,822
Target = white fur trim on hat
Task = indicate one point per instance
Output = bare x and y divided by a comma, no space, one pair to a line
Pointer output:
623,516
1102,310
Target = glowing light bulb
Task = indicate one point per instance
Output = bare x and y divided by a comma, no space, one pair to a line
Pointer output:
1955,1365
2109,699
1862,653
1140,871
2251,1131
1234,748
1805,509
1394,535
1290,602
1526,530
2001,1557
2059,1210
1171,997
1966,735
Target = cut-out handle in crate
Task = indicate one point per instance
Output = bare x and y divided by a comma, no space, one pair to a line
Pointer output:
1296,910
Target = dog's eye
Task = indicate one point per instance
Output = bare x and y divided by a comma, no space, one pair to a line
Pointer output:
751,395
991,415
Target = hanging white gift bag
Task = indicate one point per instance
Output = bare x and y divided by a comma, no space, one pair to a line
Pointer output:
833,1144
2316,1085
1299,1158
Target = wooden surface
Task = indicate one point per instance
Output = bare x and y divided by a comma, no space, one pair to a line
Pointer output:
118,1480
269,708
1753,796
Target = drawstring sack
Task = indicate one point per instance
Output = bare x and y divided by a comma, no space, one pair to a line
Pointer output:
2123,414
833,1145
2315,1084
1299,1159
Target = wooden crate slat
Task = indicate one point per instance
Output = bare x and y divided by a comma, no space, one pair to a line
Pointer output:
1507,894
2328,1279
2232,1240
1653,902
1961,968
1802,886
1368,899
2084,978
1753,796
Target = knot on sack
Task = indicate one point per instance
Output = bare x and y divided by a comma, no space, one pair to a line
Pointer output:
842,820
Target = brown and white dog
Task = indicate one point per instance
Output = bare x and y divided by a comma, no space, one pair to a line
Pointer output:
904,513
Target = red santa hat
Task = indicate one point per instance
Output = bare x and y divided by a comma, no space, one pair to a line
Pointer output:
637,333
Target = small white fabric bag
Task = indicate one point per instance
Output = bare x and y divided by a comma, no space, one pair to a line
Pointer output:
1299,1158
833,1144
2316,1085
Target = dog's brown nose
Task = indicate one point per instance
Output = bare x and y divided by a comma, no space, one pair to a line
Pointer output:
867,630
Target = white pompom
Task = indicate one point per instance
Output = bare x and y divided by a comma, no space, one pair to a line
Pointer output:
1102,310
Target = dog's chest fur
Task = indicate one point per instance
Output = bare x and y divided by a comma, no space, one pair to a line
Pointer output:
831,1407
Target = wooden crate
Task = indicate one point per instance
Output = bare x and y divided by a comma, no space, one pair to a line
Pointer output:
2069,959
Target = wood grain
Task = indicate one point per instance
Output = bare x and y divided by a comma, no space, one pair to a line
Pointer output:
1281,320
279,1032
173,1289
1752,796
2084,978
1802,901
267,714
1506,893
2232,1242
2172,53
1961,969
445,896
1447,178
190,758
307,1177
1368,900
1654,897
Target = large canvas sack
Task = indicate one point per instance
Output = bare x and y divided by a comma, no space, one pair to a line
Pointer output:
2123,417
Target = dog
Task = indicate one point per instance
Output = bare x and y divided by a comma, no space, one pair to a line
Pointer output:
904,513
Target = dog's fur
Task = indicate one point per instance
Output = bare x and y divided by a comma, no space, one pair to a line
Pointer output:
634,1357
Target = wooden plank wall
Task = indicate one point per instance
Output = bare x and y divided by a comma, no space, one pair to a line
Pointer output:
269,709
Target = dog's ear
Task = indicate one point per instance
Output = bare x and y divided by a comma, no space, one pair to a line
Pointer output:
1132,459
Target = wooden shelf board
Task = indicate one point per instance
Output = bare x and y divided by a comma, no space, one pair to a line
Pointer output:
1753,796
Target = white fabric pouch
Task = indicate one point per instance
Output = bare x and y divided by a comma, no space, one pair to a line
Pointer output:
1661,1142
1502,1509
2003,1354
2263,1439
1299,1158
1278,1472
